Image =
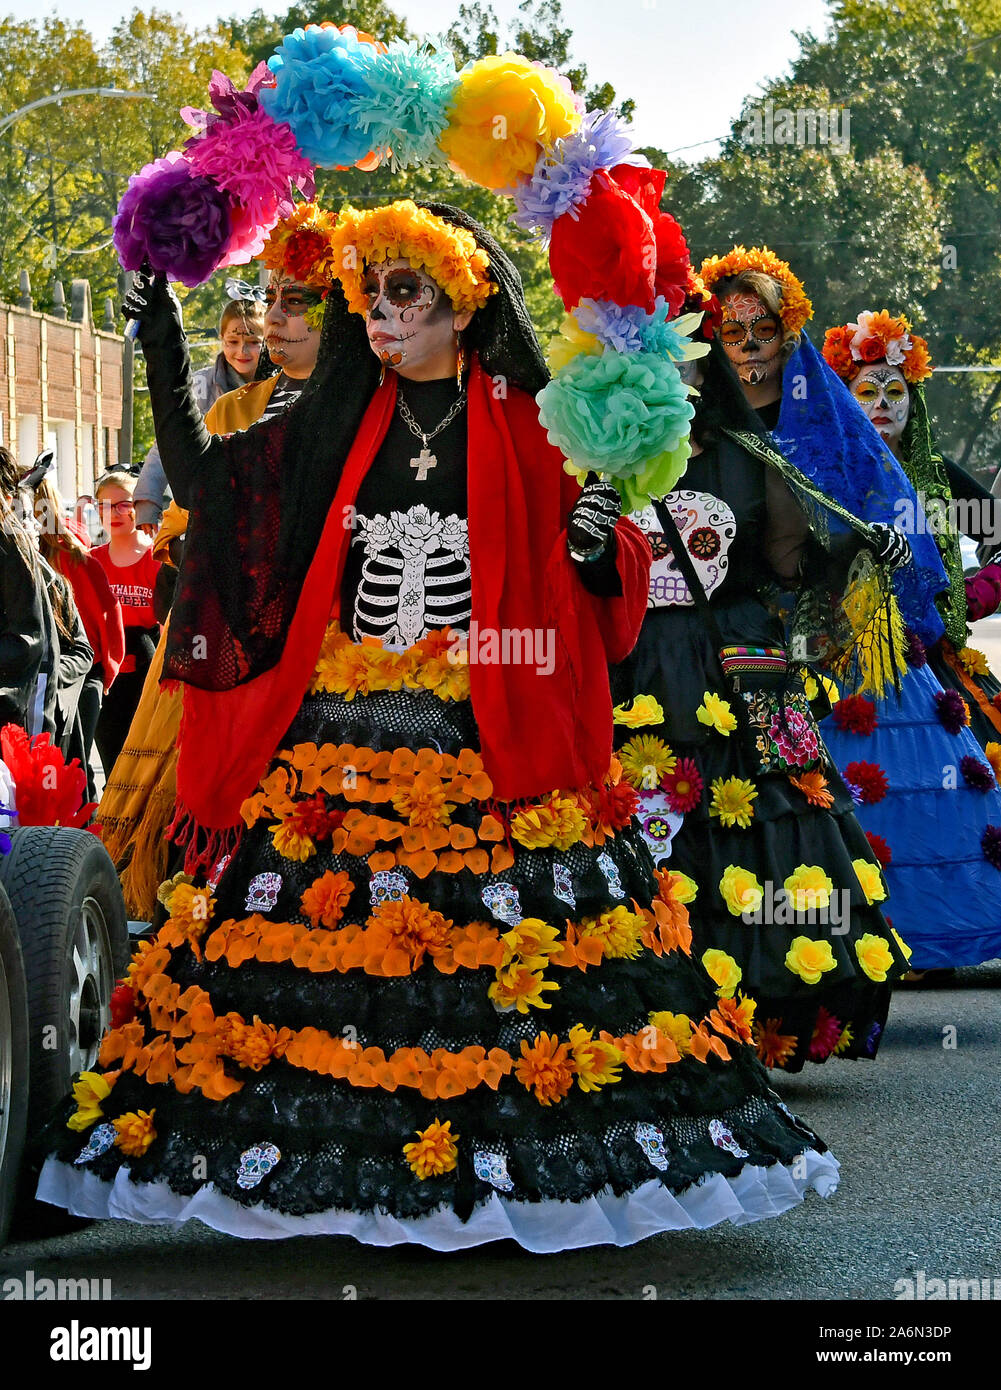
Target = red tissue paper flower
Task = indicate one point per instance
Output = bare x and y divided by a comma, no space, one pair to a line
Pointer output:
855,714
870,780
879,848
605,249
50,791
673,260
123,1005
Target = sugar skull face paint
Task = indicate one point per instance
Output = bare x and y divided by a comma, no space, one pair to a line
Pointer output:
409,319
881,391
752,338
291,342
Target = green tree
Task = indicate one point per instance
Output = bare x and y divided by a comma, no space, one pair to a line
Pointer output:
259,34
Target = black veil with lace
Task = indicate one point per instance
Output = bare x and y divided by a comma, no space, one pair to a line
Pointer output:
259,499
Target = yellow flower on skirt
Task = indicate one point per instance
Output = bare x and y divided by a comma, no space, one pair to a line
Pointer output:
874,956
716,713
810,959
871,880
741,890
723,970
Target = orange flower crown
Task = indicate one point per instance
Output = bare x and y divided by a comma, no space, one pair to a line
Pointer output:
877,337
796,308
301,247
403,231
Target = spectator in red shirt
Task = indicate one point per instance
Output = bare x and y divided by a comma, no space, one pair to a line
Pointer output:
65,544
131,572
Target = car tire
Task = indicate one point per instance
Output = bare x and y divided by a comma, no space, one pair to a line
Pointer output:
13,1063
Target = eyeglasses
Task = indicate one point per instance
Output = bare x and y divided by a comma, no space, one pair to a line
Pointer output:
869,392
294,299
763,330
121,507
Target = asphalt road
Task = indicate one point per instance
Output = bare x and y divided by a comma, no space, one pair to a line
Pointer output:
916,1134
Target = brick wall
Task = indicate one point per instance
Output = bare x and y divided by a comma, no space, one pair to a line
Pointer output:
61,383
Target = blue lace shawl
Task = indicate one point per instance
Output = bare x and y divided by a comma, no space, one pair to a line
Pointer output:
825,433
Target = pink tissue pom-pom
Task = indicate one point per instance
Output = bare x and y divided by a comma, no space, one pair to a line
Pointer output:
256,160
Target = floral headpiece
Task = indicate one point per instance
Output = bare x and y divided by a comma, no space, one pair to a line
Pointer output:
877,337
331,97
796,308
403,231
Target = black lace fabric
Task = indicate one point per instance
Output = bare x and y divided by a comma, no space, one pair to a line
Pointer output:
341,1144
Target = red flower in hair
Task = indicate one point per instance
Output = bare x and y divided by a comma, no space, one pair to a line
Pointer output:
302,252
870,780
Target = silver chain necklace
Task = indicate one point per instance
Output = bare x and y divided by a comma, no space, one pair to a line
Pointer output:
426,460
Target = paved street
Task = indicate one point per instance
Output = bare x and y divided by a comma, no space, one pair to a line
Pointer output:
916,1134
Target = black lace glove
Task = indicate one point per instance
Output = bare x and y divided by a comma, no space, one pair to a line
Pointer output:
181,437
889,547
591,524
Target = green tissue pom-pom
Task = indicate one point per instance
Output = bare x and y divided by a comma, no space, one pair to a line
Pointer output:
625,415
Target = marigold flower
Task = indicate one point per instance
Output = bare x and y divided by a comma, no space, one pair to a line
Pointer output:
190,907
678,1027
740,890
723,970
620,931
424,801
870,879
325,899
683,787
716,713
643,710
250,1045
809,888
135,1132
974,662
166,889
532,941
645,760
731,801
558,823
813,785
291,843
597,1063
415,926
874,956
520,988
89,1089
545,1068
992,752
773,1048
435,1153
810,959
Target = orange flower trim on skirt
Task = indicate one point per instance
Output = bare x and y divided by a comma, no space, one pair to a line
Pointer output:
436,663
191,1051
423,789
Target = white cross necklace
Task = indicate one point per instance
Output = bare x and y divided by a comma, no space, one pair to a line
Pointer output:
425,460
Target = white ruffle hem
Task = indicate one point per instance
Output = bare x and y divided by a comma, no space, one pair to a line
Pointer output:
755,1194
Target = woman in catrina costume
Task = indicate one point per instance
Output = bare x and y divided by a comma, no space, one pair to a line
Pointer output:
927,762
406,991
738,796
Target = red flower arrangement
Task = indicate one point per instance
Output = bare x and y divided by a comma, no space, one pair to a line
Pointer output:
614,805
682,787
50,791
870,780
855,714
879,848
952,711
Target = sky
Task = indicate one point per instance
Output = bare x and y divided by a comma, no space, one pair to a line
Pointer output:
688,64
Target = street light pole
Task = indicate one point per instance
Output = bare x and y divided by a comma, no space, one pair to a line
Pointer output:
54,98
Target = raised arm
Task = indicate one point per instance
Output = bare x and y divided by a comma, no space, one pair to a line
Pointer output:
186,448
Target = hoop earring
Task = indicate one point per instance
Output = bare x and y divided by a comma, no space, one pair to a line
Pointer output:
460,362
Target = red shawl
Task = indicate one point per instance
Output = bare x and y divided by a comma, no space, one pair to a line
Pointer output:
538,731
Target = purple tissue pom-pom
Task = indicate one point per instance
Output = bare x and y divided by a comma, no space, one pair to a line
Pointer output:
179,222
